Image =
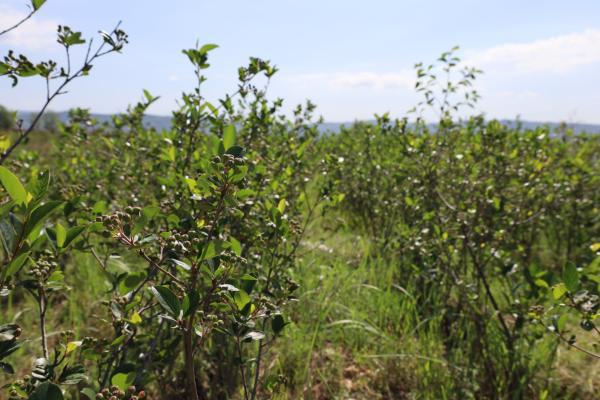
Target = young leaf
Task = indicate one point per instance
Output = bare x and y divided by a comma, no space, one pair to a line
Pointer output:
236,246
61,235
71,346
122,380
559,291
148,96
229,136
241,299
281,206
136,319
37,4
208,47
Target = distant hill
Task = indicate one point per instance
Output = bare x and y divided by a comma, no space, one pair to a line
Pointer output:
160,122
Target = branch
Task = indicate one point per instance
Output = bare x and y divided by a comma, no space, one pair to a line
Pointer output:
567,341
18,23
49,97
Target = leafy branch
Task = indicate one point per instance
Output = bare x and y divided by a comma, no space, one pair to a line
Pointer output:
16,67
35,6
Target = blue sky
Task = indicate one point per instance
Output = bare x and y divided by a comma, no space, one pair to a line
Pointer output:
352,58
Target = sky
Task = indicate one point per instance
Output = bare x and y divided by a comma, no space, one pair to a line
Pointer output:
541,58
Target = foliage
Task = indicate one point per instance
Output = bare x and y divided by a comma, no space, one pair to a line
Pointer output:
6,119
170,264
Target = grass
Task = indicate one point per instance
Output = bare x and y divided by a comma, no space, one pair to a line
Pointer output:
355,331
356,334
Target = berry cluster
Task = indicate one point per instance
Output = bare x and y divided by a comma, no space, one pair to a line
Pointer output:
114,393
44,266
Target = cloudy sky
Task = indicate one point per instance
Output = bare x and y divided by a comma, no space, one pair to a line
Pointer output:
352,58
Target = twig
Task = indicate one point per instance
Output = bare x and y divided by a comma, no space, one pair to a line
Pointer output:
18,23
86,65
567,341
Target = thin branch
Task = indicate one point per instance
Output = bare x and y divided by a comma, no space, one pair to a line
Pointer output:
18,23
567,341
242,369
155,265
81,72
445,202
43,306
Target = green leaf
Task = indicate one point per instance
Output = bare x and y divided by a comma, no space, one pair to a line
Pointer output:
4,68
74,38
559,291
56,281
247,283
244,193
241,299
13,186
39,214
61,235
236,246
39,186
89,393
214,249
122,380
561,322
72,234
148,96
571,278
278,323
167,300
47,391
542,283
37,4
15,265
235,151
99,207
72,346
190,302
135,319
281,206
208,47
229,136
130,282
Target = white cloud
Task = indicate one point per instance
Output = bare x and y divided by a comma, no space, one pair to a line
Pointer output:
557,54
34,34
353,80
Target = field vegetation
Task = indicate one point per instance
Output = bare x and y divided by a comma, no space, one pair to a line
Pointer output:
242,254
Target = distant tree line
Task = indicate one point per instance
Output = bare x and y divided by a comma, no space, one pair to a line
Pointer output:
49,122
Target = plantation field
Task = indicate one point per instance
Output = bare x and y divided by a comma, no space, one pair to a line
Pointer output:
379,262
242,253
